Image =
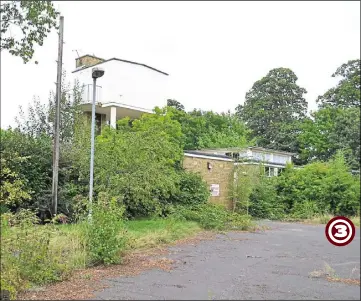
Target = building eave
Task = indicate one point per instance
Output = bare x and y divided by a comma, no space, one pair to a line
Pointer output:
120,60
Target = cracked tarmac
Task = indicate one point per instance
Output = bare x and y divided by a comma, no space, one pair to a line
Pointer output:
275,264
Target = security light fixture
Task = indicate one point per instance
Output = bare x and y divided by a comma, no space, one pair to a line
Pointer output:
97,72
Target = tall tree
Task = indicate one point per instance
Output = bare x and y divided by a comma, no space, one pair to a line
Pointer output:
40,117
332,129
207,129
274,109
24,24
175,104
347,92
336,125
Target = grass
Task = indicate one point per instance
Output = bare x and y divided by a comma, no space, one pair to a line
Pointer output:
152,233
141,234
63,248
322,220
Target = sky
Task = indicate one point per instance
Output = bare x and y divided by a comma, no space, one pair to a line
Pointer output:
213,51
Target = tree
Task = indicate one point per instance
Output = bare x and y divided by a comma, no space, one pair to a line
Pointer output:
336,125
136,167
332,129
28,159
33,139
274,109
347,92
40,117
25,23
206,129
175,104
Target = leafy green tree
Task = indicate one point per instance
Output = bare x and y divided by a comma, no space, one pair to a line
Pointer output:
274,109
347,92
13,189
35,172
32,139
25,24
40,117
175,104
206,129
161,121
137,167
332,129
336,125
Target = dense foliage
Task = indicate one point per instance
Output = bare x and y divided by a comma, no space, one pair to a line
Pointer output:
318,188
332,129
347,92
273,110
336,125
206,129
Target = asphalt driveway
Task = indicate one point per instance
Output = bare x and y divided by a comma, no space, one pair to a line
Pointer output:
289,261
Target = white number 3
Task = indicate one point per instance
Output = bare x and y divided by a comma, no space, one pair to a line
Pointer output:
341,231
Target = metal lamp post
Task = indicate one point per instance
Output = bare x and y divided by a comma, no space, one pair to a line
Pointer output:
96,73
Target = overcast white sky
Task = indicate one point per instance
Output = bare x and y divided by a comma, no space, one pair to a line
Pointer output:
213,51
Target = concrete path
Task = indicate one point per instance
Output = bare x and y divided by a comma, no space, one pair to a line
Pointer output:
289,261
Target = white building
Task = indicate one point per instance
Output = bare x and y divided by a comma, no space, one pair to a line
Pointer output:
127,89
274,161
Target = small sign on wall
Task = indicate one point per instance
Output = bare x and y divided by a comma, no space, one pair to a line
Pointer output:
214,189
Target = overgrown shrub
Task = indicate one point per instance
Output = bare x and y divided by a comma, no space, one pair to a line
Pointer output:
264,202
330,186
104,233
193,190
139,167
216,217
304,210
26,255
246,178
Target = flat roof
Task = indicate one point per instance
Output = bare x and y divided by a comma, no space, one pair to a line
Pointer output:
238,149
119,105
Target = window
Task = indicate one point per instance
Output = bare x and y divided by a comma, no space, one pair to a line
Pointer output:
271,171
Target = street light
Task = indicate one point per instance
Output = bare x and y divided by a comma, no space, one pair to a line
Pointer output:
96,73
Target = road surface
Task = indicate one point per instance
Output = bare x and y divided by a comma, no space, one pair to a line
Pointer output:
289,261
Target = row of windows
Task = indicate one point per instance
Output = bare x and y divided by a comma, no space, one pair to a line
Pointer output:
262,157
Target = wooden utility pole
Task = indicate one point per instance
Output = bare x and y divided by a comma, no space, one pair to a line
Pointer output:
57,119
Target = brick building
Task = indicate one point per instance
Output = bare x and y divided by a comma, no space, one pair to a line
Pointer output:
217,167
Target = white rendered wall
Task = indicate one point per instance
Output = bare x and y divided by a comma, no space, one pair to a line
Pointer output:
128,84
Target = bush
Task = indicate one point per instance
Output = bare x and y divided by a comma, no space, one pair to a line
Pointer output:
193,190
240,222
26,255
330,186
214,217
139,167
304,210
105,233
264,202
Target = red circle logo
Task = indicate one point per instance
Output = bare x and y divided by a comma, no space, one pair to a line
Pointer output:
340,231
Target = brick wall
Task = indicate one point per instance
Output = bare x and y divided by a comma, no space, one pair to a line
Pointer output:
221,173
